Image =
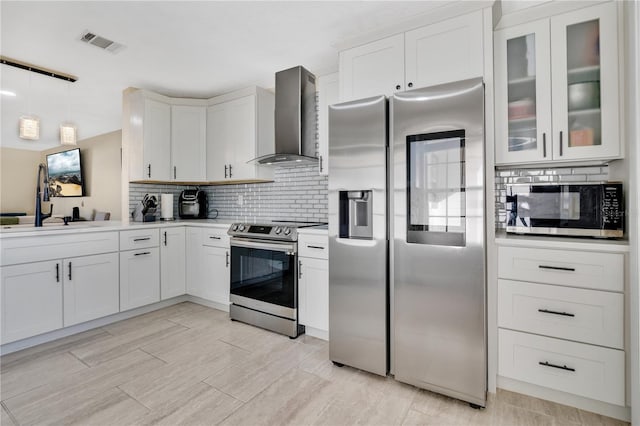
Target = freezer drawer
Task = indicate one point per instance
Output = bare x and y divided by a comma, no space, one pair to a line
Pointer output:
587,316
601,271
584,370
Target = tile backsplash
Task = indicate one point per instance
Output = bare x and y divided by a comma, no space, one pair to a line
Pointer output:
297,193
541,175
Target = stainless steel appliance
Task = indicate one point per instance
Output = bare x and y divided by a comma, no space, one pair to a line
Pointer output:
358,307
295,118
193,204
430,315
576,209
264,275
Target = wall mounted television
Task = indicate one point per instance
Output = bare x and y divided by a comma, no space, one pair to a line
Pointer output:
65,174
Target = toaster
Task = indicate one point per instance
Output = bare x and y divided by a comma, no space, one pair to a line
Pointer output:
193,204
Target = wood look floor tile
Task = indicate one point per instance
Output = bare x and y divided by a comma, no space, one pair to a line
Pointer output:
36,372
282,402
95,353
198,405
54,347
5,418
58,397
190,365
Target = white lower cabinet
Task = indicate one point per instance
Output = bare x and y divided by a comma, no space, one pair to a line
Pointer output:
313,292
172,262
139,277
90,287
313,281
561,320
193,261
31,299
586,370
215,277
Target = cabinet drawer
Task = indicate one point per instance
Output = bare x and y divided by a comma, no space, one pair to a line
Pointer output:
215,237
602,271
584,370
316,246
33,249
139,238
588,316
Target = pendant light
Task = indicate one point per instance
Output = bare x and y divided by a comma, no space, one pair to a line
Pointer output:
68,133
29,124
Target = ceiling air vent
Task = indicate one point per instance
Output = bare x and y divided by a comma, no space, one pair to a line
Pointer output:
101,42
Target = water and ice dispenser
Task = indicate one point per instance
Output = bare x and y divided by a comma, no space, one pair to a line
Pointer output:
356,214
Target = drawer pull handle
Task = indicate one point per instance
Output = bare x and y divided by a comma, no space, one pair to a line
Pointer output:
557,268
141,239
564,314
316,247
142,254
214,238
561,367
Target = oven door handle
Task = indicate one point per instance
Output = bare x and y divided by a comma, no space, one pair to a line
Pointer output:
289,248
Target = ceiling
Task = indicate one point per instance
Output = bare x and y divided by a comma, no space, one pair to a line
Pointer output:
177,48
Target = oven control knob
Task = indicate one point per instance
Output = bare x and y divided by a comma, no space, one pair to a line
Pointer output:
234,227
278,230
287,231
241,228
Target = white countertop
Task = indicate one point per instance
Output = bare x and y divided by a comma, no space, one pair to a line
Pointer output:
57,228
314,230
569,243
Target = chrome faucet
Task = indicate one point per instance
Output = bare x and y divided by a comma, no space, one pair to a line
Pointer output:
45,196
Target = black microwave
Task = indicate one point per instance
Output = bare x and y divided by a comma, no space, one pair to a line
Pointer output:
581,209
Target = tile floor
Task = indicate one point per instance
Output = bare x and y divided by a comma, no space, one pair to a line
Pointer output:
190,365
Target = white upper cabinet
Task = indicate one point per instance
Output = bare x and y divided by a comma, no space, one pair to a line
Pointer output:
188,142
240,128
556,95
372,69
147,134
328,94
442,52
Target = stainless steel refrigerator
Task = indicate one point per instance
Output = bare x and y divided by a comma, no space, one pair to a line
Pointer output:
407,265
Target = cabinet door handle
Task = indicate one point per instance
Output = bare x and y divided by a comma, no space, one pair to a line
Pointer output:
410,84
174,172
398,87
316,247
141,239
564,314
299,269
69,271
320,158
557,268
230,171
214,238
57,272
142,254
149,170
227,258
544,145
225,171
165,238
561,367
560,143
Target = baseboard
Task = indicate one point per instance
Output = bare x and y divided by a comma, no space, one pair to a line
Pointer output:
599,407
209,303
317,333
8,348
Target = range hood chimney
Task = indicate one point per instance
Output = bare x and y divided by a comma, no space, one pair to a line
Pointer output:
295,118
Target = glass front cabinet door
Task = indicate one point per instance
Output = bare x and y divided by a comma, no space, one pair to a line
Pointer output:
557,88
523,93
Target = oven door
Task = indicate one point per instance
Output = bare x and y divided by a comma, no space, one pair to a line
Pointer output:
555,209
264,276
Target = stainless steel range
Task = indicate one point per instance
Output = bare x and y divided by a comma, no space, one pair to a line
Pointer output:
264,275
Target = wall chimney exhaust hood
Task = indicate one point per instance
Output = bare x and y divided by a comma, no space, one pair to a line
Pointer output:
295,119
